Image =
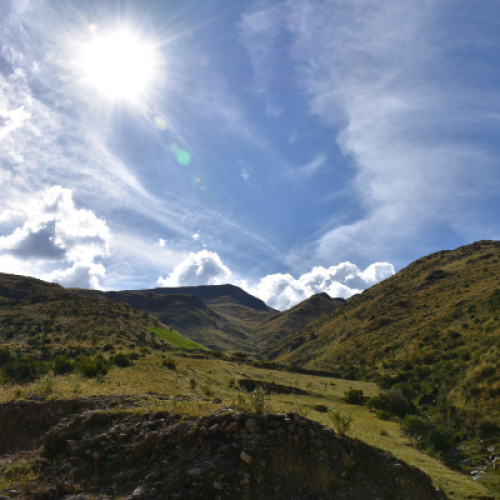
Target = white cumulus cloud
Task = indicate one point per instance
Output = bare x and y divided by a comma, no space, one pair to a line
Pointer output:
280,291
201,268
52,239
283,291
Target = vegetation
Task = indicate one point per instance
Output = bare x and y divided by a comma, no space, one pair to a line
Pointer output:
341,421
175,339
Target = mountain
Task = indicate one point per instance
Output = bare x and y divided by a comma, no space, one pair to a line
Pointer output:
238,306
299,316
191,317
432,329
224,316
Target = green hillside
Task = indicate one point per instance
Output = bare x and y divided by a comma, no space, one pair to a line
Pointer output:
433,328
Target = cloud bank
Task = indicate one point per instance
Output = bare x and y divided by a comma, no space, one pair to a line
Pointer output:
280,291
53,240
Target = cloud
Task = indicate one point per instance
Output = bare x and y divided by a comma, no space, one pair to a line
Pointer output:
195,236
387,79
12,120
54,240
201,268
280,291
283,291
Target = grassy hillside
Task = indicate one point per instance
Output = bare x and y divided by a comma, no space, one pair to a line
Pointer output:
433,328
431,333
42,320
299,316
189,316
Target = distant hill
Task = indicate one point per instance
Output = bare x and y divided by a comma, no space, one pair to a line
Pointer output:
288,322
432,329
189,315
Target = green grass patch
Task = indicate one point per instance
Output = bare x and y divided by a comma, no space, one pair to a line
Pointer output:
175,339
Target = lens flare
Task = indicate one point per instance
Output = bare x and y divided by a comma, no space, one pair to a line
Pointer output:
183,157
160,122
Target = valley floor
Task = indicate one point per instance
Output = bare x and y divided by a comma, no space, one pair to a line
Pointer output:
213,383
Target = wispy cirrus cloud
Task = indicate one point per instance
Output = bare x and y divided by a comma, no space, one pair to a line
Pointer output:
389,81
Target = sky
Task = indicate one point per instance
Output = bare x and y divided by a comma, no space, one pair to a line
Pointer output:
288,147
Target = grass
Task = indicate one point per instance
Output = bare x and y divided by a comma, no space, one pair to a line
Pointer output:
149,377
175,339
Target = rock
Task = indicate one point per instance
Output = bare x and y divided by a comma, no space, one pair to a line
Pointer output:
236,416
317,443
232,428
467,462
246,458
218,485
348,462
137,492
397,468
214,428
252,426
195,474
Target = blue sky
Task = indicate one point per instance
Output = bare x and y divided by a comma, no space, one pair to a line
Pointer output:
288,147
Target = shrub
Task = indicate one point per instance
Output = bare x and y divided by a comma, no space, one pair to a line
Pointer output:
169,363
256,403
392,402
354,397
384,415
93,367
488,427
4,356
22,370
341,421
63,365
431,435
121,360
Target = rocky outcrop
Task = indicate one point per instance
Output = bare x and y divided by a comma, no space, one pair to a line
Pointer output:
228,455
116,453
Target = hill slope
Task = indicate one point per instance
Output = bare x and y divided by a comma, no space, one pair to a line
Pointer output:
39,318
433,328
238,306
299,316
188,315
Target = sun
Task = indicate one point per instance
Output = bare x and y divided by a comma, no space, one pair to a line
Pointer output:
120,65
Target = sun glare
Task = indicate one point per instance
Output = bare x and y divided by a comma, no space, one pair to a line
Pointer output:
120,65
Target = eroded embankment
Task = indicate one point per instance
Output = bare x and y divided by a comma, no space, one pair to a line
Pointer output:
225,455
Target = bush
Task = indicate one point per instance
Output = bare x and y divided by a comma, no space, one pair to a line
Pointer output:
341,421
384,415
4,356
169,363
121,360
429,434
93,367
392,402
63,365
256,403
354,397
488,427
23,370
